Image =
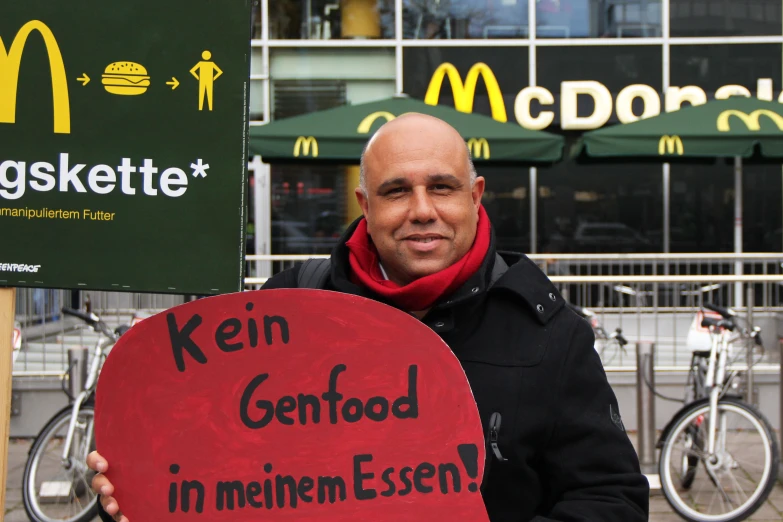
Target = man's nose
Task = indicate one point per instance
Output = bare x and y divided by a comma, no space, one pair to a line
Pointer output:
422,208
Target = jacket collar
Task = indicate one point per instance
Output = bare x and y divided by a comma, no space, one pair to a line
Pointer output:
522,278
528,282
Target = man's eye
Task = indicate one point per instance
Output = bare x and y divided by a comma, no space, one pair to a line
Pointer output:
398,190
441,187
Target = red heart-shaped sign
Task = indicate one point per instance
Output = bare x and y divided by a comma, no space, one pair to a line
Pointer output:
289,405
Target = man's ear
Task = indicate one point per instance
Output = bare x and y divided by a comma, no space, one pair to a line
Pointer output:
477,191
361,197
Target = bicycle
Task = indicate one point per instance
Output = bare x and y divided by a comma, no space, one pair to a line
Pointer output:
56,480
720,433
612,343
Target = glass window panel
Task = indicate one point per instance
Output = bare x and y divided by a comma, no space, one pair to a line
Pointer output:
712,66
256,20
725,18
459,19
507,201
702,208
311,207
506,66
330,19
256,60
598,18
600,208
257,101
308,80
762,191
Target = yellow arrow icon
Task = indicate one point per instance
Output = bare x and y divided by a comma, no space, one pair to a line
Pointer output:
84,79
174,83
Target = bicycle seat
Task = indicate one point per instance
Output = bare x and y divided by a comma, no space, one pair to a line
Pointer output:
702,353
708,322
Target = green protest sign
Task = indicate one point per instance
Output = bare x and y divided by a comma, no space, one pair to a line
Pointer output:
123,144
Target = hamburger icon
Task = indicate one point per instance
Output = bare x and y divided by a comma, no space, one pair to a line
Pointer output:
125,78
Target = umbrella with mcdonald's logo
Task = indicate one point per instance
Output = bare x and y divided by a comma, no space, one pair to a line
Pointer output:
738,127
340,134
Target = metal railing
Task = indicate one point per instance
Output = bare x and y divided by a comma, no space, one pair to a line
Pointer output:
651,297
47,335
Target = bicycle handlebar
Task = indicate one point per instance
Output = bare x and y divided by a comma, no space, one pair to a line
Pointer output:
708,322
725,312
90,318
94,321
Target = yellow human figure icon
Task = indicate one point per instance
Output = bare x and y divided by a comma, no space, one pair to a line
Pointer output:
206,72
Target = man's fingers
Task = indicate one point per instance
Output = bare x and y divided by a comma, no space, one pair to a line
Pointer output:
102,486
121,518
97,463
110,505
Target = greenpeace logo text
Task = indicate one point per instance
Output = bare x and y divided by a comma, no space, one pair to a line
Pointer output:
15,267
69,176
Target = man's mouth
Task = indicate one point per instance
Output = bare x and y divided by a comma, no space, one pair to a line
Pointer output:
424,243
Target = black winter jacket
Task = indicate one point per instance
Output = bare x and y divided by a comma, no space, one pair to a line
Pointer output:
531,359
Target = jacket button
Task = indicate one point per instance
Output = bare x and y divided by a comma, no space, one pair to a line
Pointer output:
475,289
440,325
552,297
540,309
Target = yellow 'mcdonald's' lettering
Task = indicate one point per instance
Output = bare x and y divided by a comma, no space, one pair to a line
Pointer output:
366,124
670,145
304,144
11,60
464,93
478,146
752,121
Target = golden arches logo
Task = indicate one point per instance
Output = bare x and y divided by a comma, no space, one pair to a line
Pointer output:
478,146
752,121
366,124
670,145
465,92
11,60
304,144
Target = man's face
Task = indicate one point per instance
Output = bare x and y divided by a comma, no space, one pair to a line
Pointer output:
420,207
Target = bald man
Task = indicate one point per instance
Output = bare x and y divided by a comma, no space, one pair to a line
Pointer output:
425,245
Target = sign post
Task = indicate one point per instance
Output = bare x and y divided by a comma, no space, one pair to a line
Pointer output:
7,306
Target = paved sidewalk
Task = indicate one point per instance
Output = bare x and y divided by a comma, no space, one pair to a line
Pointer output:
659,508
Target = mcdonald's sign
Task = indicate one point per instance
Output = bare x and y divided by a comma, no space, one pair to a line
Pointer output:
478,146
11,60
465,92
670,145
366,124
304,144
752,121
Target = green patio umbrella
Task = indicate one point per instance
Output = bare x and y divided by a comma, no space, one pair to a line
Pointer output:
737,127
746,129
339,134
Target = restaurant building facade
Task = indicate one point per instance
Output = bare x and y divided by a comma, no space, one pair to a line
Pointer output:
563,66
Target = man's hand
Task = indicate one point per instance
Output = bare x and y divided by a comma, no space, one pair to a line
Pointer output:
104,488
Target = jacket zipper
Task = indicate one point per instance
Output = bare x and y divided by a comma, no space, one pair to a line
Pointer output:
492,448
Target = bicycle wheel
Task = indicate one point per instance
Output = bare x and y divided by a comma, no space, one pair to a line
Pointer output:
608,351
54,491
733,483
689,462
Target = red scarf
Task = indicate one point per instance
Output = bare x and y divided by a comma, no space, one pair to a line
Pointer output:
422,293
